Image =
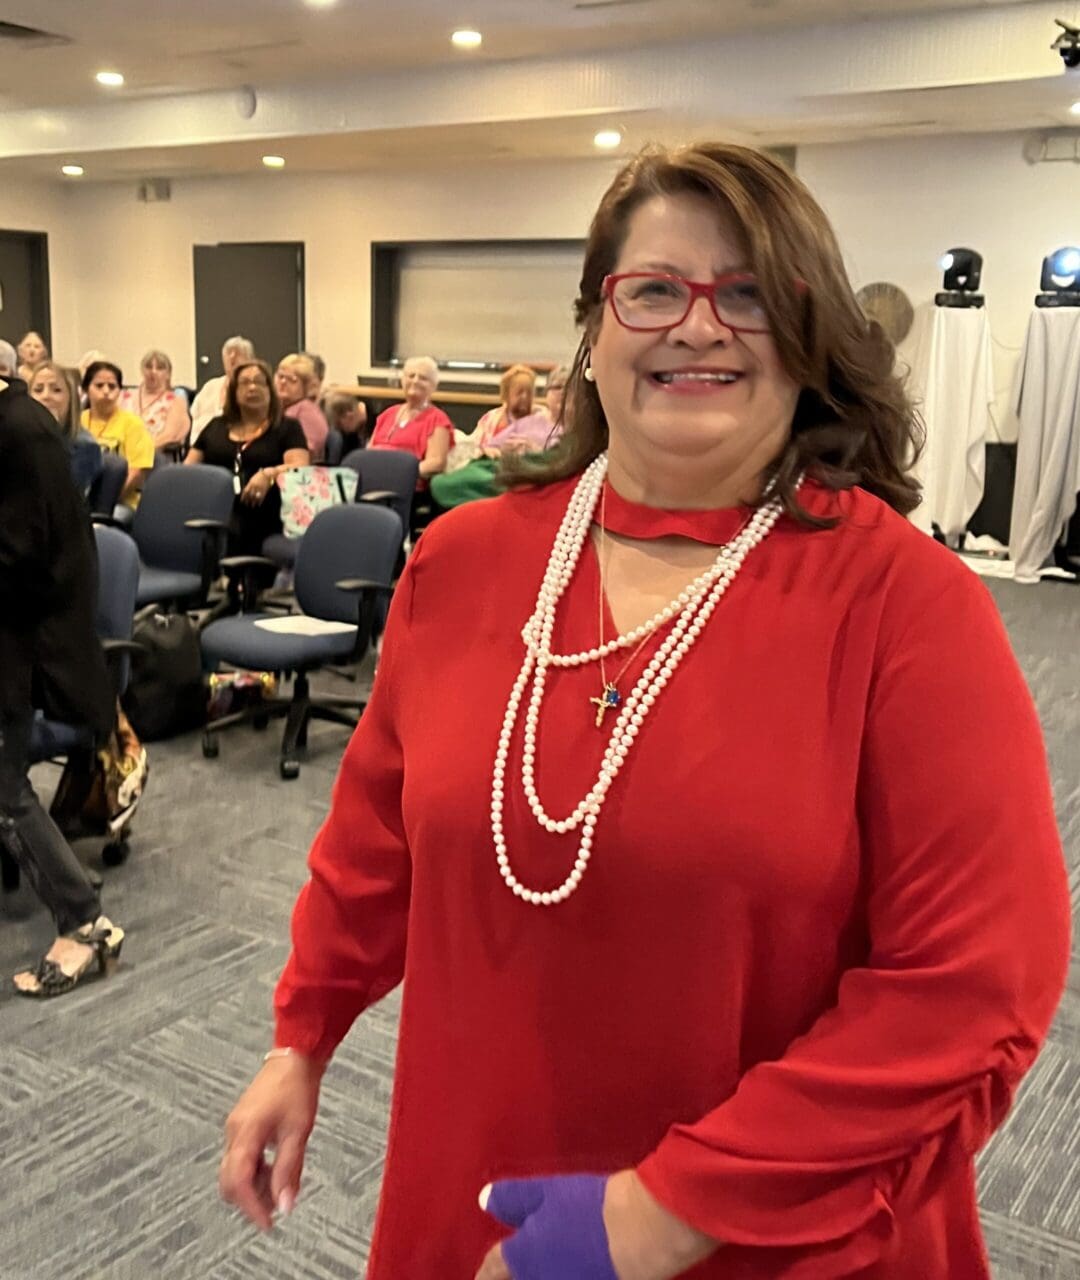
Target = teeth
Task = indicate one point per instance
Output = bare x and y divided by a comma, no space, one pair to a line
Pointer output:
668,378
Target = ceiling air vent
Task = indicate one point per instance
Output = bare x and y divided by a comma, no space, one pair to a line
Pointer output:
29,37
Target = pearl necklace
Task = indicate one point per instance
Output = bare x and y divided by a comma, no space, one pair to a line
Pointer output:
691,610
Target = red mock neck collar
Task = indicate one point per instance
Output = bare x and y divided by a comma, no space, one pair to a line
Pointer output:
632,520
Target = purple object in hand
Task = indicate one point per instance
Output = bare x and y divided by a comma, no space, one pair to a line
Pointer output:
560,1227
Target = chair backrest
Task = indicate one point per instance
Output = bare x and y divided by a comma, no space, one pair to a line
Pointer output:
171,496
335,447
344,542
106,490
118,581
392,469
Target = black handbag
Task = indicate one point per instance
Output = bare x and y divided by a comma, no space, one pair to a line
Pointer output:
167,691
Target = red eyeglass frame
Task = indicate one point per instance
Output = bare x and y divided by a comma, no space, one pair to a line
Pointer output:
697,289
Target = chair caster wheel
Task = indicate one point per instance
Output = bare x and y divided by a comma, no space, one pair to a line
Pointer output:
210,746
260,722
289,769
115,854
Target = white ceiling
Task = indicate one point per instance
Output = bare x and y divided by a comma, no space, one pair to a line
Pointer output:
367,84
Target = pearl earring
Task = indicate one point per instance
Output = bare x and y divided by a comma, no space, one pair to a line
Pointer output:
588,374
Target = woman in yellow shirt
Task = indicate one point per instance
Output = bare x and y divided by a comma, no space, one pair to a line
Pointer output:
117,430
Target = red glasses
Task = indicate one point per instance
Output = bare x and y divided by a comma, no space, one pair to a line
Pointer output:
647,301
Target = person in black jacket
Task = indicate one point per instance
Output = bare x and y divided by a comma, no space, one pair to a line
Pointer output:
50,658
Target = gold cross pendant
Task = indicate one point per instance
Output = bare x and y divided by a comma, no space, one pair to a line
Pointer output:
608,700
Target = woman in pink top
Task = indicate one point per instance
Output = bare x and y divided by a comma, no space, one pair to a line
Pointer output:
417,425
294,381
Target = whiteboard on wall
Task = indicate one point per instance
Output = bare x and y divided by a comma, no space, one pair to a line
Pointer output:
488,302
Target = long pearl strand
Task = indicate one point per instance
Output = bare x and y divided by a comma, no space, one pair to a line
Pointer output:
691,610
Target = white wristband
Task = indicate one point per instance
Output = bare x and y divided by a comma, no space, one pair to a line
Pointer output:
277,1053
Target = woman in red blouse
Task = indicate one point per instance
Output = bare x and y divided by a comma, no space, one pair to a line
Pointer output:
720,958
417,425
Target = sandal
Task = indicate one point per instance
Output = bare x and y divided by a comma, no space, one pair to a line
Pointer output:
104,939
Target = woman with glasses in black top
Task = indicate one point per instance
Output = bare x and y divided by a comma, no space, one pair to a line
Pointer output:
253,441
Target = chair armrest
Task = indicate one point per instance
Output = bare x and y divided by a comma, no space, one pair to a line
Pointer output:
237,564
110,522
380,497
123,646
361,585
201,523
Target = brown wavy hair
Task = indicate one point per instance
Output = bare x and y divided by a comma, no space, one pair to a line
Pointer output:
853,423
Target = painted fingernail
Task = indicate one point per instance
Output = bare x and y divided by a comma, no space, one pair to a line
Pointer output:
286,1202
485,1196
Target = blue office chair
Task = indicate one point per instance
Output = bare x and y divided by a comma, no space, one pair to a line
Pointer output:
344,567
179,529
282,549
118,576
387,471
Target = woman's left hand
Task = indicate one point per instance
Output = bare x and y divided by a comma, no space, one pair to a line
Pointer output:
256,489
587,1227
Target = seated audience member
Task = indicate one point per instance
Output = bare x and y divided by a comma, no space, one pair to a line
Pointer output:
57,389
294,382
319,365
347,414
517,387
554,392
116,429
162,410
210,401
51,659
417,425
32,351
514,427
254,441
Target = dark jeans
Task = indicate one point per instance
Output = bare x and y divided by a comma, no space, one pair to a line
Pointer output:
33,839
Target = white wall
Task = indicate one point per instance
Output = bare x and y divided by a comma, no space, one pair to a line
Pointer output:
135,277
121,270
898,205
28,206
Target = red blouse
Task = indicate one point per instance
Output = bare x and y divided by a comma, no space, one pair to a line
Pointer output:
414,435
820,940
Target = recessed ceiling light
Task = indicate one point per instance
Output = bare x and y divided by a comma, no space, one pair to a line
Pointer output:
607,138
1075,108
72,170
111,79
274,162
320,4
467,39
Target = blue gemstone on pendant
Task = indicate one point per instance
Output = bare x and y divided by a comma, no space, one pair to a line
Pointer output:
612,697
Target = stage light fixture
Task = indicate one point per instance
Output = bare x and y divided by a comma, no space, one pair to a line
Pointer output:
1060,278
962,273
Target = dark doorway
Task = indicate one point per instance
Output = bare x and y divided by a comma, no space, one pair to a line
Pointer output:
24,285
256,290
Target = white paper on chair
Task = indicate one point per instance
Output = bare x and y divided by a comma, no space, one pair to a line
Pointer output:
299,624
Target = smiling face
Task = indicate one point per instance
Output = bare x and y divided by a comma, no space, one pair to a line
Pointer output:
50,389
417,383
104,392
699,386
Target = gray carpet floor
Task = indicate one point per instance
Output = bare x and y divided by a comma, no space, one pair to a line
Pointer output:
112,1098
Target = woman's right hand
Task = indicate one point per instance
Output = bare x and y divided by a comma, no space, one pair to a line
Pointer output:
276,1110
